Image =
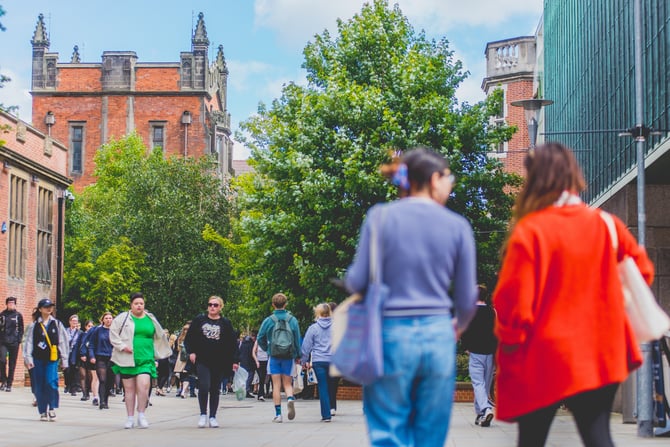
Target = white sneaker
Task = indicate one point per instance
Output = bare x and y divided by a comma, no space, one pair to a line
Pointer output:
129,423
332,412
213,423
278,419
486,419
291,409
142,421
202,422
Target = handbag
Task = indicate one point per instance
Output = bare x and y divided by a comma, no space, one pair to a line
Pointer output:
53,349
648,321
356,344
298,378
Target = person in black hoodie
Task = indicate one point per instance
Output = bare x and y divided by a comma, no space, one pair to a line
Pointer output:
481,343
11,334
212,347
247,360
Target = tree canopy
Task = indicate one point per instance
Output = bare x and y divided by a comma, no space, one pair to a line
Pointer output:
139,228
377,85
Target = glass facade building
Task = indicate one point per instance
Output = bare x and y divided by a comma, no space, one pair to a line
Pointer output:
589,73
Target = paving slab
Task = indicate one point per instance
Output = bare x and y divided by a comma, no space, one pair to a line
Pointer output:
246,423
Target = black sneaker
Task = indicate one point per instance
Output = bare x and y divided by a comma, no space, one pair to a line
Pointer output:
84,397
8,388
95,401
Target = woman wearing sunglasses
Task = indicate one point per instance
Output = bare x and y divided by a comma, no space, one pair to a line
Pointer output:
212,347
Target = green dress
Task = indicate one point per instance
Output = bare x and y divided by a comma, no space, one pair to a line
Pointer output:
143,349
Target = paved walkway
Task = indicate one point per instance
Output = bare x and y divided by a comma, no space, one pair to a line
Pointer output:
245,424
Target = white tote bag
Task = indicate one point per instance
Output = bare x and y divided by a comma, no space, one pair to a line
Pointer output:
648,320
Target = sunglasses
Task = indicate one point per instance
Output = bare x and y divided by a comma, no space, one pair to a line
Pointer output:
213,304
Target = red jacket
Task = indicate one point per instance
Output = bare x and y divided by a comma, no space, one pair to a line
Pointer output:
561,321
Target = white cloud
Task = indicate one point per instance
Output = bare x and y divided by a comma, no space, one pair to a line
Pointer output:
296,21
245,72
17,93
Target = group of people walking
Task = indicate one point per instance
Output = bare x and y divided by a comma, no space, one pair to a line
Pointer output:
561,333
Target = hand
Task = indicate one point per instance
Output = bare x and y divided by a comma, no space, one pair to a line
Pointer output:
236,366
30,366
127,349
82,358
258,365
306,365
92,361
192,358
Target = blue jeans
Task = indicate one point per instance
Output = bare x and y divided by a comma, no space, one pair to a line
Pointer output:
411,404
321,371
480,367
45,378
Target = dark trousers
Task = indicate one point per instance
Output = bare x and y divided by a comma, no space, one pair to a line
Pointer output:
333,385
12,349
103,368
262,374
591,411
251,369
208,388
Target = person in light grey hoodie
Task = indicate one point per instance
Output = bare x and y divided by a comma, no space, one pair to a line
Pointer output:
317,344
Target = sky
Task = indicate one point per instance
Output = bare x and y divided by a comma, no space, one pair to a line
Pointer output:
262,39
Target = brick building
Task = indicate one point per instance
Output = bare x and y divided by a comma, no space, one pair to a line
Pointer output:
179,106
33,179
510,65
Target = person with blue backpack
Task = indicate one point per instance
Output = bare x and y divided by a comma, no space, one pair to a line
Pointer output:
279,336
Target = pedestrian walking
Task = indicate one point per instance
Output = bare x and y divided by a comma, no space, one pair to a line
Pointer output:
261,359
138,340
247,361
316,355
89,379
46,342
71,373
279,336
100,355
480,342
564,336
426,252
11,334
212,347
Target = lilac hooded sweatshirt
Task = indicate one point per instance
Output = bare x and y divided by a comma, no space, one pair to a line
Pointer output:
317,341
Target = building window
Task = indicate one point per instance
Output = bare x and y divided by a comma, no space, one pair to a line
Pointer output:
76,148
44,230
158,136
17,226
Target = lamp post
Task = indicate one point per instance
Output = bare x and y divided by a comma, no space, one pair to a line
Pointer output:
531,110
49,120
186,121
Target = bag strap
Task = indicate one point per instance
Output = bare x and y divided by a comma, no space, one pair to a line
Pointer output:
612,229
46,335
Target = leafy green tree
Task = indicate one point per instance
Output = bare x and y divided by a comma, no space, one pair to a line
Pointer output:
377,85
149,208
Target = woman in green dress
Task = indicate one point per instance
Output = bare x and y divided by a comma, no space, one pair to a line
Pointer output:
138,340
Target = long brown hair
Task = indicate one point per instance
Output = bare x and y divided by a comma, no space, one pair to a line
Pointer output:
551,169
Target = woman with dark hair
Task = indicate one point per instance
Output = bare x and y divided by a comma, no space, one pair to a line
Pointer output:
426,252
89,380
46,341
563,333
99,355
212,347
137,340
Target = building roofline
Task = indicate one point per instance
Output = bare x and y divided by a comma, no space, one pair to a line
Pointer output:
32,129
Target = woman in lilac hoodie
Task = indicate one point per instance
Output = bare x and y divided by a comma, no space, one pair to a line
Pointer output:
317,344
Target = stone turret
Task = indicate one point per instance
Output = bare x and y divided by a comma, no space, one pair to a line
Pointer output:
44,68
200,48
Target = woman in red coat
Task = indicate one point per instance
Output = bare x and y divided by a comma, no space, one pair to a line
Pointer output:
564,336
